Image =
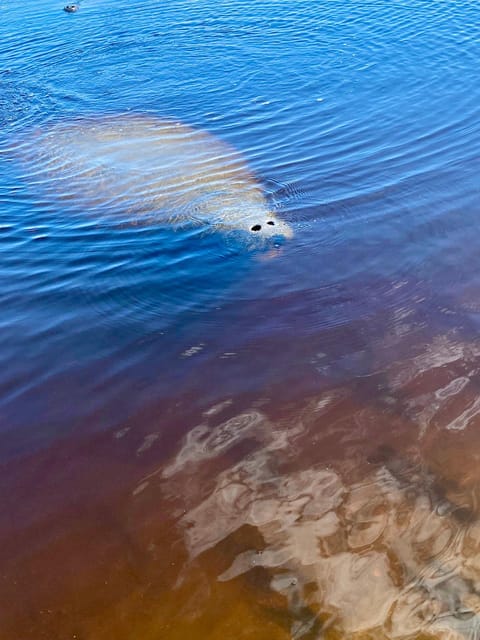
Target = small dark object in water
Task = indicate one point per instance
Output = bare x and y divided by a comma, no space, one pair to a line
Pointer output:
71,8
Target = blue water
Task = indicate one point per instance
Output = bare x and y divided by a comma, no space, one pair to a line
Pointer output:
361,120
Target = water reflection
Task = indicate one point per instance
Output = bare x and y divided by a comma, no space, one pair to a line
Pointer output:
383,544
352,512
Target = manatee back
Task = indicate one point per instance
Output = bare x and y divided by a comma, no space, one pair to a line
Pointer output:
135,165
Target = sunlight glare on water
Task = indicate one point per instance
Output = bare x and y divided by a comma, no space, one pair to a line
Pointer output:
205,435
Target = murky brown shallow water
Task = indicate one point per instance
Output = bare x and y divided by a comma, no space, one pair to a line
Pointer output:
348,513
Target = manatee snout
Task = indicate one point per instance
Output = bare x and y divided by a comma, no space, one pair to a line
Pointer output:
271,227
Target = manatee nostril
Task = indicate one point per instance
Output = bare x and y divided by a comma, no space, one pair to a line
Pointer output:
256,227
270,222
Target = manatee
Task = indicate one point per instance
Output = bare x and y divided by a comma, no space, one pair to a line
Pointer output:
146,167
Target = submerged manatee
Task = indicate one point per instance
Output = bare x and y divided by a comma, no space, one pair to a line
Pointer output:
146,166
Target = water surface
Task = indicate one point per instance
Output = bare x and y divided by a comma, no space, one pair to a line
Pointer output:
203,439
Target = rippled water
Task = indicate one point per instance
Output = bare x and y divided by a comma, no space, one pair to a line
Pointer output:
208,437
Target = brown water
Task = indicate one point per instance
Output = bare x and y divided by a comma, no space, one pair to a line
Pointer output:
348,512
